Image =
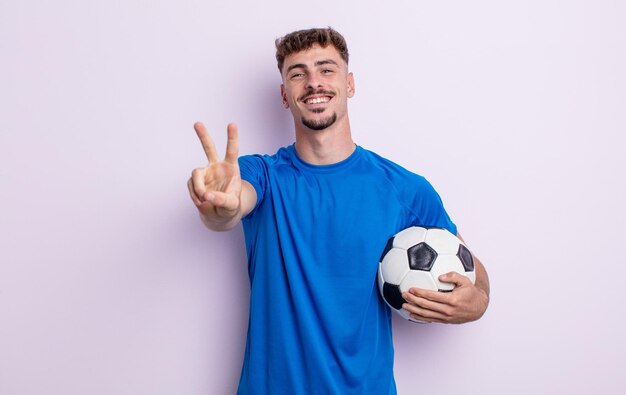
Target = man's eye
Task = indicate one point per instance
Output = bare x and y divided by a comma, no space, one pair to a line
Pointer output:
296,75
327,71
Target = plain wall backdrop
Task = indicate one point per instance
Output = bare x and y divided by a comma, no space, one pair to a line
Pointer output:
110,284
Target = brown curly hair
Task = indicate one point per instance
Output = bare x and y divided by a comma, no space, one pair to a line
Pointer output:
304,39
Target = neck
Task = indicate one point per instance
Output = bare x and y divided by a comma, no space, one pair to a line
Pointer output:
324,147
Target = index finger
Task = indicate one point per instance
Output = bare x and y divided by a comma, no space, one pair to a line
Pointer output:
428,295
207,142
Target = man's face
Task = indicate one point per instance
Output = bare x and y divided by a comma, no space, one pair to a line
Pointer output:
316,87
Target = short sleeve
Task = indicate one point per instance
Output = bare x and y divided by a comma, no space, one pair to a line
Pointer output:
427,206
254,171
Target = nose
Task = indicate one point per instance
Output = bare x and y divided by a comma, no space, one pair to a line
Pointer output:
313,81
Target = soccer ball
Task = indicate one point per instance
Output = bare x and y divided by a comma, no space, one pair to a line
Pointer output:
416,257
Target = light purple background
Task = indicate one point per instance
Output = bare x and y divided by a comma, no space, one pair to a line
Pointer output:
109,283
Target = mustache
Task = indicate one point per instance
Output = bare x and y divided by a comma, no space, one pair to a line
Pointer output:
312,92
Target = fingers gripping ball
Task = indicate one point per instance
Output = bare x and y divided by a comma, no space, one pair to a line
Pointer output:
416,257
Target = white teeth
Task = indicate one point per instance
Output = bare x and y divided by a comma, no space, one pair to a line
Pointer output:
318,100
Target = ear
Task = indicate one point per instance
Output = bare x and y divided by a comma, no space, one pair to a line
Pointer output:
350,84
283,94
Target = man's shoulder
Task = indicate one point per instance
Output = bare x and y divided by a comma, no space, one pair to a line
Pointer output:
282,155
390,168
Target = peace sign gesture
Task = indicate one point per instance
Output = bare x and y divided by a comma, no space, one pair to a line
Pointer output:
216,188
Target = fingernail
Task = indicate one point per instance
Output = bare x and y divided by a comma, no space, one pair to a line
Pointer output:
210,196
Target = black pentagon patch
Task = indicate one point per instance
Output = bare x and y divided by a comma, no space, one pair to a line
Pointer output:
466,258
421,257
393,296
387,248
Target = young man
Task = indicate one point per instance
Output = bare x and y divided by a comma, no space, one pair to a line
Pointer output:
316,217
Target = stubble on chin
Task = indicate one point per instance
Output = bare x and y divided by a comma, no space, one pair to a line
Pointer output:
320,124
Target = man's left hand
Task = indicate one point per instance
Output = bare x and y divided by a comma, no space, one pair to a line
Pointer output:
465,303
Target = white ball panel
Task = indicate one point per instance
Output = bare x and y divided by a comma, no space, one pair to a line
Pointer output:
442,241
395,266
416,321
405,314
417,279
409,237
471,276
445,264
379,275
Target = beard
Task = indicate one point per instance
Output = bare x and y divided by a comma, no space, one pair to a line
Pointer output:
319,124
323,123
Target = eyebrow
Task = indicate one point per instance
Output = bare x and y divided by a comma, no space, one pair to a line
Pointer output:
317,63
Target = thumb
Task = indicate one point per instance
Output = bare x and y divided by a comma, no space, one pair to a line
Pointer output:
223,201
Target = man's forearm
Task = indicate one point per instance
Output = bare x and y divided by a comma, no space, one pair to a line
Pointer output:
482,279
220,226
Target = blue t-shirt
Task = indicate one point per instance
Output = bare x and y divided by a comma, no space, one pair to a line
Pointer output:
318,324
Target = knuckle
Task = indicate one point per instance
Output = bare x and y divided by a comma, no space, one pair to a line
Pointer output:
198,189
196,172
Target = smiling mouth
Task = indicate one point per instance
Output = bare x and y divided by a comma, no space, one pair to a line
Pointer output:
317,97
317,100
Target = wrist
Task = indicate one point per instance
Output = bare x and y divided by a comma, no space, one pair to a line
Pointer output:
219,223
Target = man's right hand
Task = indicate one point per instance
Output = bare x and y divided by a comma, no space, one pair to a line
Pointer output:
216,188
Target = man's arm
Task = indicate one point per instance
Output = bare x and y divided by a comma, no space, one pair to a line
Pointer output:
467,302
217,190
